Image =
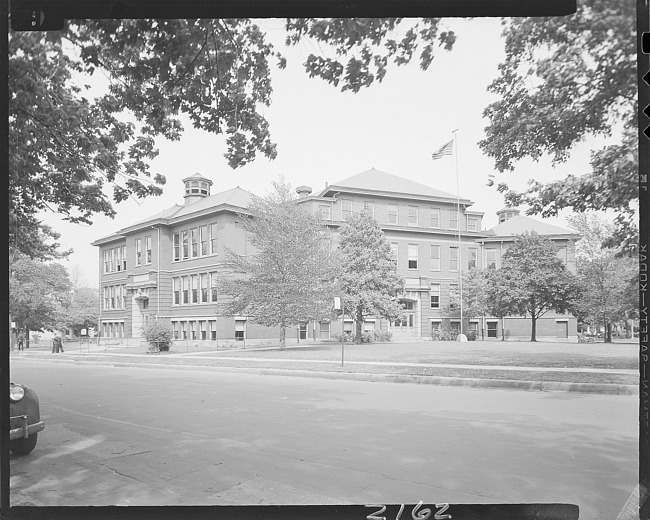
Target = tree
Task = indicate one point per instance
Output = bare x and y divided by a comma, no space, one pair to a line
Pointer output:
475,293
505,296
37,293
82,309
565,79
536,280
289,280
368,278
65,149
607,279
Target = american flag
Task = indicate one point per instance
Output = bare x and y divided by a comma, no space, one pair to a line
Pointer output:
445,149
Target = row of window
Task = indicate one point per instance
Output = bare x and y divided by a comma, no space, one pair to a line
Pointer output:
195,242
115,258
195,289
392,215
204,329
113,329
434,256
114,297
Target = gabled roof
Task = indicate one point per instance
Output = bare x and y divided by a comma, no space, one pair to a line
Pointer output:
518,224
377,181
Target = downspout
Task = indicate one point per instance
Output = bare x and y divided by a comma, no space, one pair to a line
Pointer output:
158,275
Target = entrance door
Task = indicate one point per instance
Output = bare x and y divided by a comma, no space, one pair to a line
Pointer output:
562,329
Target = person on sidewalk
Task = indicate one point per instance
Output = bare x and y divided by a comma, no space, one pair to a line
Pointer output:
21,341
57,344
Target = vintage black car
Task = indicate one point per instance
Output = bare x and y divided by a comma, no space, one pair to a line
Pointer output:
25,419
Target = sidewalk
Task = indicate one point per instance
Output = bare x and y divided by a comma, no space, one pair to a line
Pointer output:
603,369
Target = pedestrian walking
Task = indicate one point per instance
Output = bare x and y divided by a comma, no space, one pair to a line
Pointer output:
21,341
57,344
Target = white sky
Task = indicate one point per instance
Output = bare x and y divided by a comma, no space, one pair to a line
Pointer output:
324,135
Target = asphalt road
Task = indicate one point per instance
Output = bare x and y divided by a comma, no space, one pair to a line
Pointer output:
148,436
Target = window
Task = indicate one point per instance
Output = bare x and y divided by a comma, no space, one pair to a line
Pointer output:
413,256
392,213
106,261
175,329
346,209
147,249
213,287
186,244
473,258
302,331
177,246
492,329
112,260
106,298
413,216
194,238
453,259
177,291
324,330
472,224
112,290
325,211
118,258
562,254
240,326
435,295
203,238
491,258
369,207
434,218
435,258
195,288
123,250
186,289
213,239
123,297
394,249
204,333
213,329
453,219
183,330
192,330
204,288
138,251
145,305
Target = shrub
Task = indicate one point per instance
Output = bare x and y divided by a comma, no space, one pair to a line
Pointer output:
472,335
444,334
159,336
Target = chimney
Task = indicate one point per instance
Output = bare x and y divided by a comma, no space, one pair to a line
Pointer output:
303,191
197,187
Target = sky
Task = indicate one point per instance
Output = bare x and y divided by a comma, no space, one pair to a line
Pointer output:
324,135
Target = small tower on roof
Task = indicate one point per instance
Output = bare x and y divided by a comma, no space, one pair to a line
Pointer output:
197,187
506,213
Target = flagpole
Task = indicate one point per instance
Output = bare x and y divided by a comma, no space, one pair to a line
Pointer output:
458,220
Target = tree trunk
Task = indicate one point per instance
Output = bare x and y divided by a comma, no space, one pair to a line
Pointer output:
283,334
608,332
359,325
533,330
26,337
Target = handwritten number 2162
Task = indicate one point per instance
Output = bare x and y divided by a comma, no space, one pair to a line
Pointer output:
416,514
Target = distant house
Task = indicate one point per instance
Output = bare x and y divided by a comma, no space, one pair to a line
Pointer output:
166,267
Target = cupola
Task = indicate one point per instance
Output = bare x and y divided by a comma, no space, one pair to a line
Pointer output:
197,187
506,213
303,191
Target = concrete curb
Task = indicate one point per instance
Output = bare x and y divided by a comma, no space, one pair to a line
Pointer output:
530,386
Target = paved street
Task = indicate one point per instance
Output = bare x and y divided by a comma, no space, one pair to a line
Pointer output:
148,436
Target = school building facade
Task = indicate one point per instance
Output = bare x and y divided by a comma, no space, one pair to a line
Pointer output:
166,267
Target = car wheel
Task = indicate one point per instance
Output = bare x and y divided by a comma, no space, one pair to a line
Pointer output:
24,446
